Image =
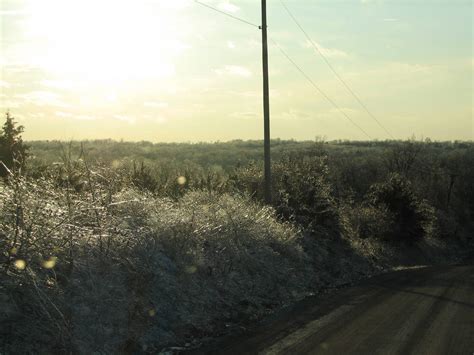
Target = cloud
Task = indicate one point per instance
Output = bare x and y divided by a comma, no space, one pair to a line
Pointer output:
234,70
228,7
230,45
398,71
12,68
246,115
42,98
37,115
57,84
390,19
124,118
155,104
328,52
293,114
4,84
9,104
74,116
411,68
156,119
347,110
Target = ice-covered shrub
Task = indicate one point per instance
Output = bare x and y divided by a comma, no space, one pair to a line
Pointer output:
301,190
368,221
412,218
105,270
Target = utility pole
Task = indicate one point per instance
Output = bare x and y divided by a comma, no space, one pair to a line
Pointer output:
266,107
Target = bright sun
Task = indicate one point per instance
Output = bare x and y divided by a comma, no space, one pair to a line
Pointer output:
104,41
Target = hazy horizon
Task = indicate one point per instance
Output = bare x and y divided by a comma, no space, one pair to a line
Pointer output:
151,70
317,139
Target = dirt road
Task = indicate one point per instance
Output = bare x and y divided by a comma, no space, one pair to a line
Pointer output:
417,311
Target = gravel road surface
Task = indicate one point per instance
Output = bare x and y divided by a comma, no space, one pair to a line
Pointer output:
417,311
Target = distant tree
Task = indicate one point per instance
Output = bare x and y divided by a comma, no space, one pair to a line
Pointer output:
13,151
402,157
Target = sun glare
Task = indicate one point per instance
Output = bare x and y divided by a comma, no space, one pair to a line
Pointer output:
104,41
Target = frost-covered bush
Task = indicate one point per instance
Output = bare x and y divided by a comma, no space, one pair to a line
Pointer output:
368,221
107,270
301,190
411,217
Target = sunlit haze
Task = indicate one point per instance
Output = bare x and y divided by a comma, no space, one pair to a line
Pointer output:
163,70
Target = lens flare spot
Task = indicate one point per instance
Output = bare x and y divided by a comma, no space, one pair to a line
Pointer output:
20,264
152,312
116,164
50,283
181,180
50,263
13,251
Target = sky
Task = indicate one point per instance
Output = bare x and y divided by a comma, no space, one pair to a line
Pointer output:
174,71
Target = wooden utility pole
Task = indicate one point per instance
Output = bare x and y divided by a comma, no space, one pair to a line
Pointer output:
266,107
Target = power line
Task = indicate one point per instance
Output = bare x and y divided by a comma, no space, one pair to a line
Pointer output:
319,89
227,14
334,70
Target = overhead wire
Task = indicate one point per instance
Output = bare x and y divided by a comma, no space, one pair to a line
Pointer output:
318,89
316,47
226,14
